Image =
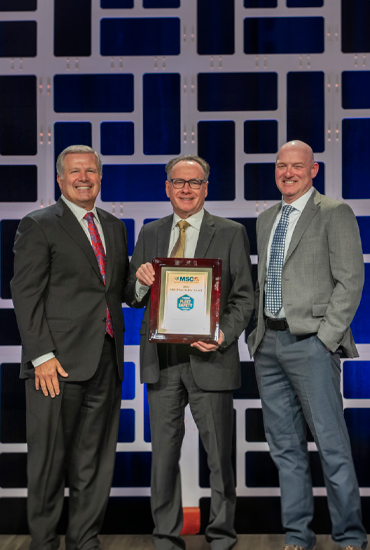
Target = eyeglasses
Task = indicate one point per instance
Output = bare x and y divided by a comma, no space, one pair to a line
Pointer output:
193,184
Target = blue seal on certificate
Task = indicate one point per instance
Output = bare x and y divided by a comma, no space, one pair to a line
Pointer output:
185,303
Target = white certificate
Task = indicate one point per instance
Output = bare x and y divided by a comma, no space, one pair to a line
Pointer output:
184,309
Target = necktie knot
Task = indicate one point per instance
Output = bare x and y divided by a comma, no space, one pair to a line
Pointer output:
183,225
89,216
287,210
178,250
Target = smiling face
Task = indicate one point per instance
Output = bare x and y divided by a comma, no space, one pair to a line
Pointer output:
186,201
295,169
81,180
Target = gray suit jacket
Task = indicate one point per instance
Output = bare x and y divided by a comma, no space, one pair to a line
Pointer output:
323,273
218,238
59,295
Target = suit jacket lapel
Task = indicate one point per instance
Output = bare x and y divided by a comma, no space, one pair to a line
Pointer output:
163,236
207,231
305,219
110,245
70,224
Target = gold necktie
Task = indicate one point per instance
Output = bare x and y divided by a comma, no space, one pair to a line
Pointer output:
179,248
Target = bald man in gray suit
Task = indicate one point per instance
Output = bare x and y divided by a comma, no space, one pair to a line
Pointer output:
310,279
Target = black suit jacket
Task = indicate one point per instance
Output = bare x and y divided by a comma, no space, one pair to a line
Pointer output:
59,295
218,238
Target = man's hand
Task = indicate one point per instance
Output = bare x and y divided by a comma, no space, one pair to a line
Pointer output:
145,274
203,346
46,377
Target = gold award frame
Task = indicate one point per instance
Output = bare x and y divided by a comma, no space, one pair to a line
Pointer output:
185,300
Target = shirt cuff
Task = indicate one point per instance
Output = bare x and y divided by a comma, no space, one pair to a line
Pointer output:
140,291
39,360
224,343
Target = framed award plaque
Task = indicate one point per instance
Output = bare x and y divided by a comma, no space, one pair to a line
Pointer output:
185,300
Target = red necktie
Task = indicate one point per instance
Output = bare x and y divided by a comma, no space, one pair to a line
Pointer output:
102,261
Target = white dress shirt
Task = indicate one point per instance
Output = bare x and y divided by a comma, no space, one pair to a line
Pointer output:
79,213
294,216
191,241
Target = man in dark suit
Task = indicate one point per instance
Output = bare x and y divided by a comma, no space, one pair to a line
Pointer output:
69,277
200,374
310,279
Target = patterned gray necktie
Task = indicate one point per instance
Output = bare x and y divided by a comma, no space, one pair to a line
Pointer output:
274,297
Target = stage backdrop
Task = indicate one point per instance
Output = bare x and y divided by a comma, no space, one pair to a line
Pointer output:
142,81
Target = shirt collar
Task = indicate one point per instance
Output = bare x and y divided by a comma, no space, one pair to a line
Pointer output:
195,220
300,203
79,212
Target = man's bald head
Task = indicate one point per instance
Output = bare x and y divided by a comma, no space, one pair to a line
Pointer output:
297,144
295,169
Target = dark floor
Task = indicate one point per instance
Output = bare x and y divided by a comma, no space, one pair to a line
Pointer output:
143,542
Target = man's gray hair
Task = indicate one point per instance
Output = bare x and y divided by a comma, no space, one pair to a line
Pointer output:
84,149
188,158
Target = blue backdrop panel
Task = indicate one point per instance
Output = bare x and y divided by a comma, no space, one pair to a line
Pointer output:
18,5
356,90
260,136
147,434
250,226
18,183
259,181
161,3
130,226
18,115
8,230
237,92
216,144
9,334
13,470
260,3
358,423
117,138
364,226
161,114
72,28
215,23
114,4
306,108
254,429
260,470
132,469
18,39
360,325
356,379
121,182
94,93
304,3
12,404
355,26
355,155
126,430
248,388
279,35
140,36
133,319
128,386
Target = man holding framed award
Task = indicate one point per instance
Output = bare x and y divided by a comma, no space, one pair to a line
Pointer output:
184,261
